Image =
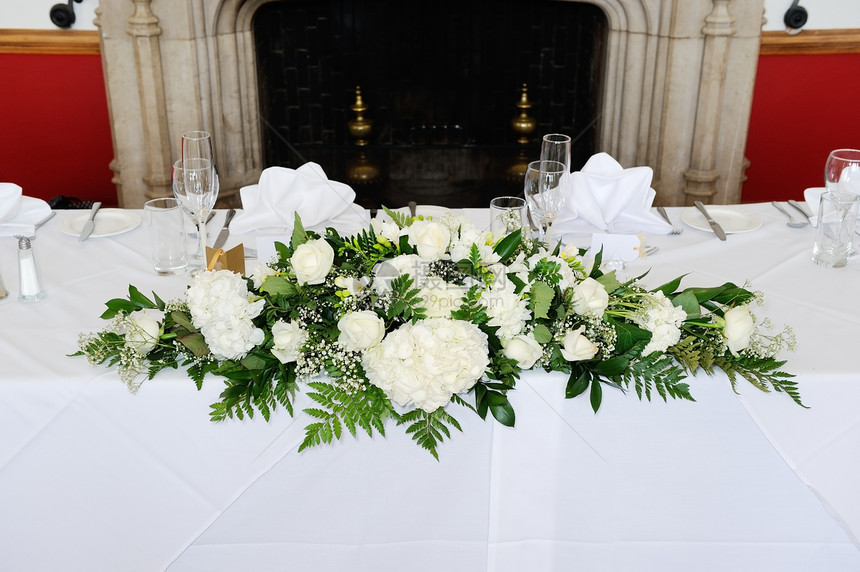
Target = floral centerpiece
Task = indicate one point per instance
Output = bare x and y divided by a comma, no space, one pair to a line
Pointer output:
412,317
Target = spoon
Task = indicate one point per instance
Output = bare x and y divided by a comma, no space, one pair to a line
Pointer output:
792,222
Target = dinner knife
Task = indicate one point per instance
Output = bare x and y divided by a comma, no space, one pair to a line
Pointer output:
715,226
90,225
225,230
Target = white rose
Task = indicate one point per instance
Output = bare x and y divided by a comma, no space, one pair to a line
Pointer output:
143,330
576,347
288,339
590,298
360,330
312,261
739,328
524,349
430,238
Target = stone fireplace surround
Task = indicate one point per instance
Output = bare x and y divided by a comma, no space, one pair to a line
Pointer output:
676,96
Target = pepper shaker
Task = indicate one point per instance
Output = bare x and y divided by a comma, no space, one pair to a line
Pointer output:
29,286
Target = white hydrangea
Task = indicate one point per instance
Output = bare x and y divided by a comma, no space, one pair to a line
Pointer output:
660,317
440,298
506,309
425,363
222,308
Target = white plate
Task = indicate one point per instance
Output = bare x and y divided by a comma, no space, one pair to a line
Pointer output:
732,219
109,222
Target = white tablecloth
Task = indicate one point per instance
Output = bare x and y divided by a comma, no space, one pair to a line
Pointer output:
94,478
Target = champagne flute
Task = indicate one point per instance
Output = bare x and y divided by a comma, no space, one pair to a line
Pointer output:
544,192
200,185
556,147
196,188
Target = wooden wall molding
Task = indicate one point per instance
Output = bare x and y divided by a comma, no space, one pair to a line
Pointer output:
778,43
60,42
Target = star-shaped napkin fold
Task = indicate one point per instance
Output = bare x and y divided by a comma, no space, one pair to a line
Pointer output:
605,197
270,205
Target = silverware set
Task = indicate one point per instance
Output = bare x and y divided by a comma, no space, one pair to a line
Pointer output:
792,222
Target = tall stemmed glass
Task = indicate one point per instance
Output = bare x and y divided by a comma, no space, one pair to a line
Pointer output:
556,147
842,175
544,192
195,185
842,171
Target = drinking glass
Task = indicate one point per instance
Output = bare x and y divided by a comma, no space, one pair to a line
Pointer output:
544,192
837,214
507,214
166,235
195,186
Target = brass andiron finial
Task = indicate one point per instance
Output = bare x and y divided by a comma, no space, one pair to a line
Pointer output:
362,170
523,124
360,127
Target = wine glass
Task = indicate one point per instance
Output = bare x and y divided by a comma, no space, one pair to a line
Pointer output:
544,192
195,186
842,171
842,174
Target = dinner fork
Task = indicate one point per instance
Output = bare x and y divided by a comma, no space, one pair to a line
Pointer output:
675,229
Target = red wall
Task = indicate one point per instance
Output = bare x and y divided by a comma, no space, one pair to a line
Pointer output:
804,106
54,126
55,133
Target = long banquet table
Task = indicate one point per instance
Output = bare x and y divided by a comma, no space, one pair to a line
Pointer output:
94,478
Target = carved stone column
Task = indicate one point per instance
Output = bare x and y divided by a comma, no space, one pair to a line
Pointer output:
701,177
144,30
114,164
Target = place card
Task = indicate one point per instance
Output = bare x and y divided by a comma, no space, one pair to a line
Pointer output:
233,259
618,247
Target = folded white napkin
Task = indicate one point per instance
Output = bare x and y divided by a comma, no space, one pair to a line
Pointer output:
812,196
605,197
20,214
270,206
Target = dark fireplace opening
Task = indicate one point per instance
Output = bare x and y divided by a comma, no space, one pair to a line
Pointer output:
454,95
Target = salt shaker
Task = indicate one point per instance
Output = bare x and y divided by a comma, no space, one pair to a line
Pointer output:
29,286
3,291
